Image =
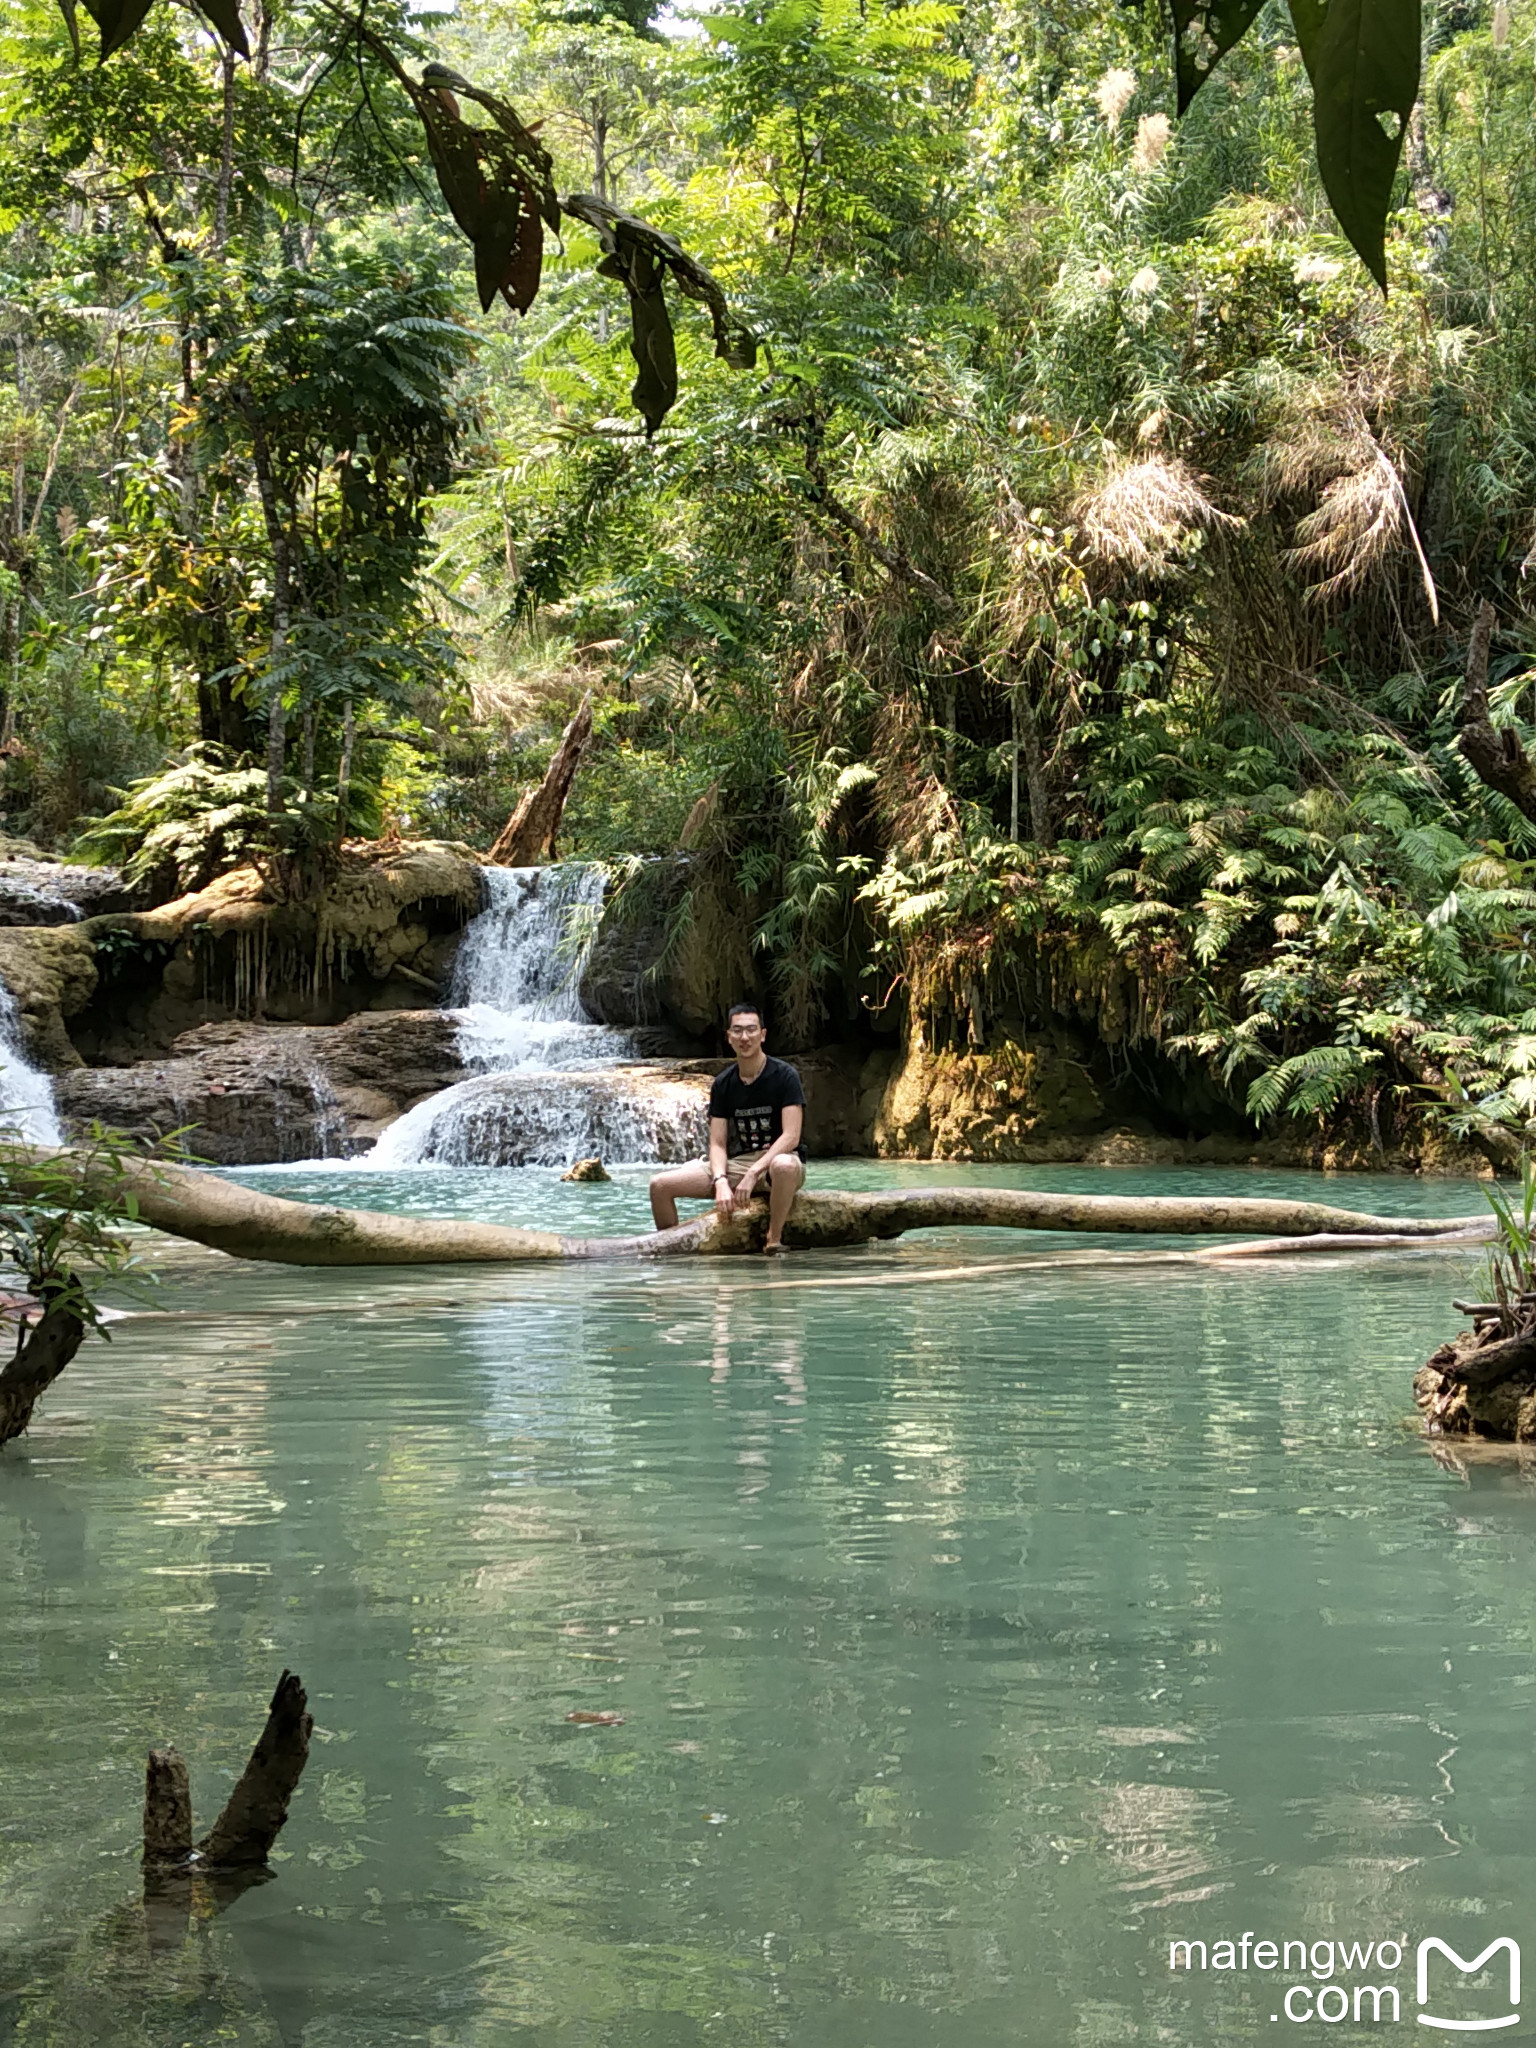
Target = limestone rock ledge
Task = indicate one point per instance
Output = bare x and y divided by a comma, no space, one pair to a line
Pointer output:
115,989
36,889
257,1094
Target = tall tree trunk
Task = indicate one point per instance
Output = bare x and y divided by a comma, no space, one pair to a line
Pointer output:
1041,828
1013,785
226,155
344,770
282,611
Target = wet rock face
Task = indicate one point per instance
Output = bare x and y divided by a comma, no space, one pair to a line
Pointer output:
676,967
36,891
1011,1102
51,973
256,1094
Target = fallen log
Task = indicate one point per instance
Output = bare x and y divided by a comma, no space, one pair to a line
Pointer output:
252,1225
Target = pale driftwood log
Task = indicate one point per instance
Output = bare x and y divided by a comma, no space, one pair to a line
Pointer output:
252,1225
533,826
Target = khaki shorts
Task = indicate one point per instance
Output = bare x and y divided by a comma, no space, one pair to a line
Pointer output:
744,1163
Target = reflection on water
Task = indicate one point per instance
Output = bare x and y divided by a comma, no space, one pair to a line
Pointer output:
972,1637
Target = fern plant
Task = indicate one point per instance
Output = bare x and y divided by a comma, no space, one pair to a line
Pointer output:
198,818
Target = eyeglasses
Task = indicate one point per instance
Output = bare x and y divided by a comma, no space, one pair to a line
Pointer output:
742,1030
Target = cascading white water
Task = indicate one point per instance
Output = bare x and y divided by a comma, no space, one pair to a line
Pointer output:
517,978
546,1091
26,1096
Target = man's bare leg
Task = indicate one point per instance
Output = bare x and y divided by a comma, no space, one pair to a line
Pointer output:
679,1183
786,1176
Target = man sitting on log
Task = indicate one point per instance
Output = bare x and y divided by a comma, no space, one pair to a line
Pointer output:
756,1119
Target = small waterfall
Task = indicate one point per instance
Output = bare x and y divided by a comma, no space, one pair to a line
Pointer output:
551,1086
529,1118
26,1096
516,978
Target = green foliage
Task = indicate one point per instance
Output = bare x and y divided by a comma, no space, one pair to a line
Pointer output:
61,1219
196,819
1067,612
1511,1262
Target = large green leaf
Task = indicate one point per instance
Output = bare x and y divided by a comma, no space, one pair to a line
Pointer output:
118,20
225,16
1363,58
1204,31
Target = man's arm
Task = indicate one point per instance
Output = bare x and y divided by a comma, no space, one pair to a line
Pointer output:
718,1131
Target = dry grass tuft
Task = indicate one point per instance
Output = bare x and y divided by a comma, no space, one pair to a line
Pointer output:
1153,134
1145,514
1361,522
1114,93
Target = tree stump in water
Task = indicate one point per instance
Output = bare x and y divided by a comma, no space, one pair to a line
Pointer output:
242,1836
184,1884
1482,1384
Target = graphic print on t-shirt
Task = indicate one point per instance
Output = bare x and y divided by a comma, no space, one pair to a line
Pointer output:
754,1126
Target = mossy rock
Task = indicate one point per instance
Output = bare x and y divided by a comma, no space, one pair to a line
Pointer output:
1009,1102
50,971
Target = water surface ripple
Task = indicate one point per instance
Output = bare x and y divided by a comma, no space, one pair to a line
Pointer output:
983,1611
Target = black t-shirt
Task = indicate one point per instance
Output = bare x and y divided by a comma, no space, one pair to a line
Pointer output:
754,1110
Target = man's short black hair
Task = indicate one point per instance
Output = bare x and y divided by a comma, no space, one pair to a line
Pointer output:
745,1010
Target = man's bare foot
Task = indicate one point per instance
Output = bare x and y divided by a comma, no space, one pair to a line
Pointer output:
773,1250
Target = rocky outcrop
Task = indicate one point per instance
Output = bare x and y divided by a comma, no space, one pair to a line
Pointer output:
380,934
252,1094
674,950
36,890
51,973
639,1111
1483,1383
1014,1102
